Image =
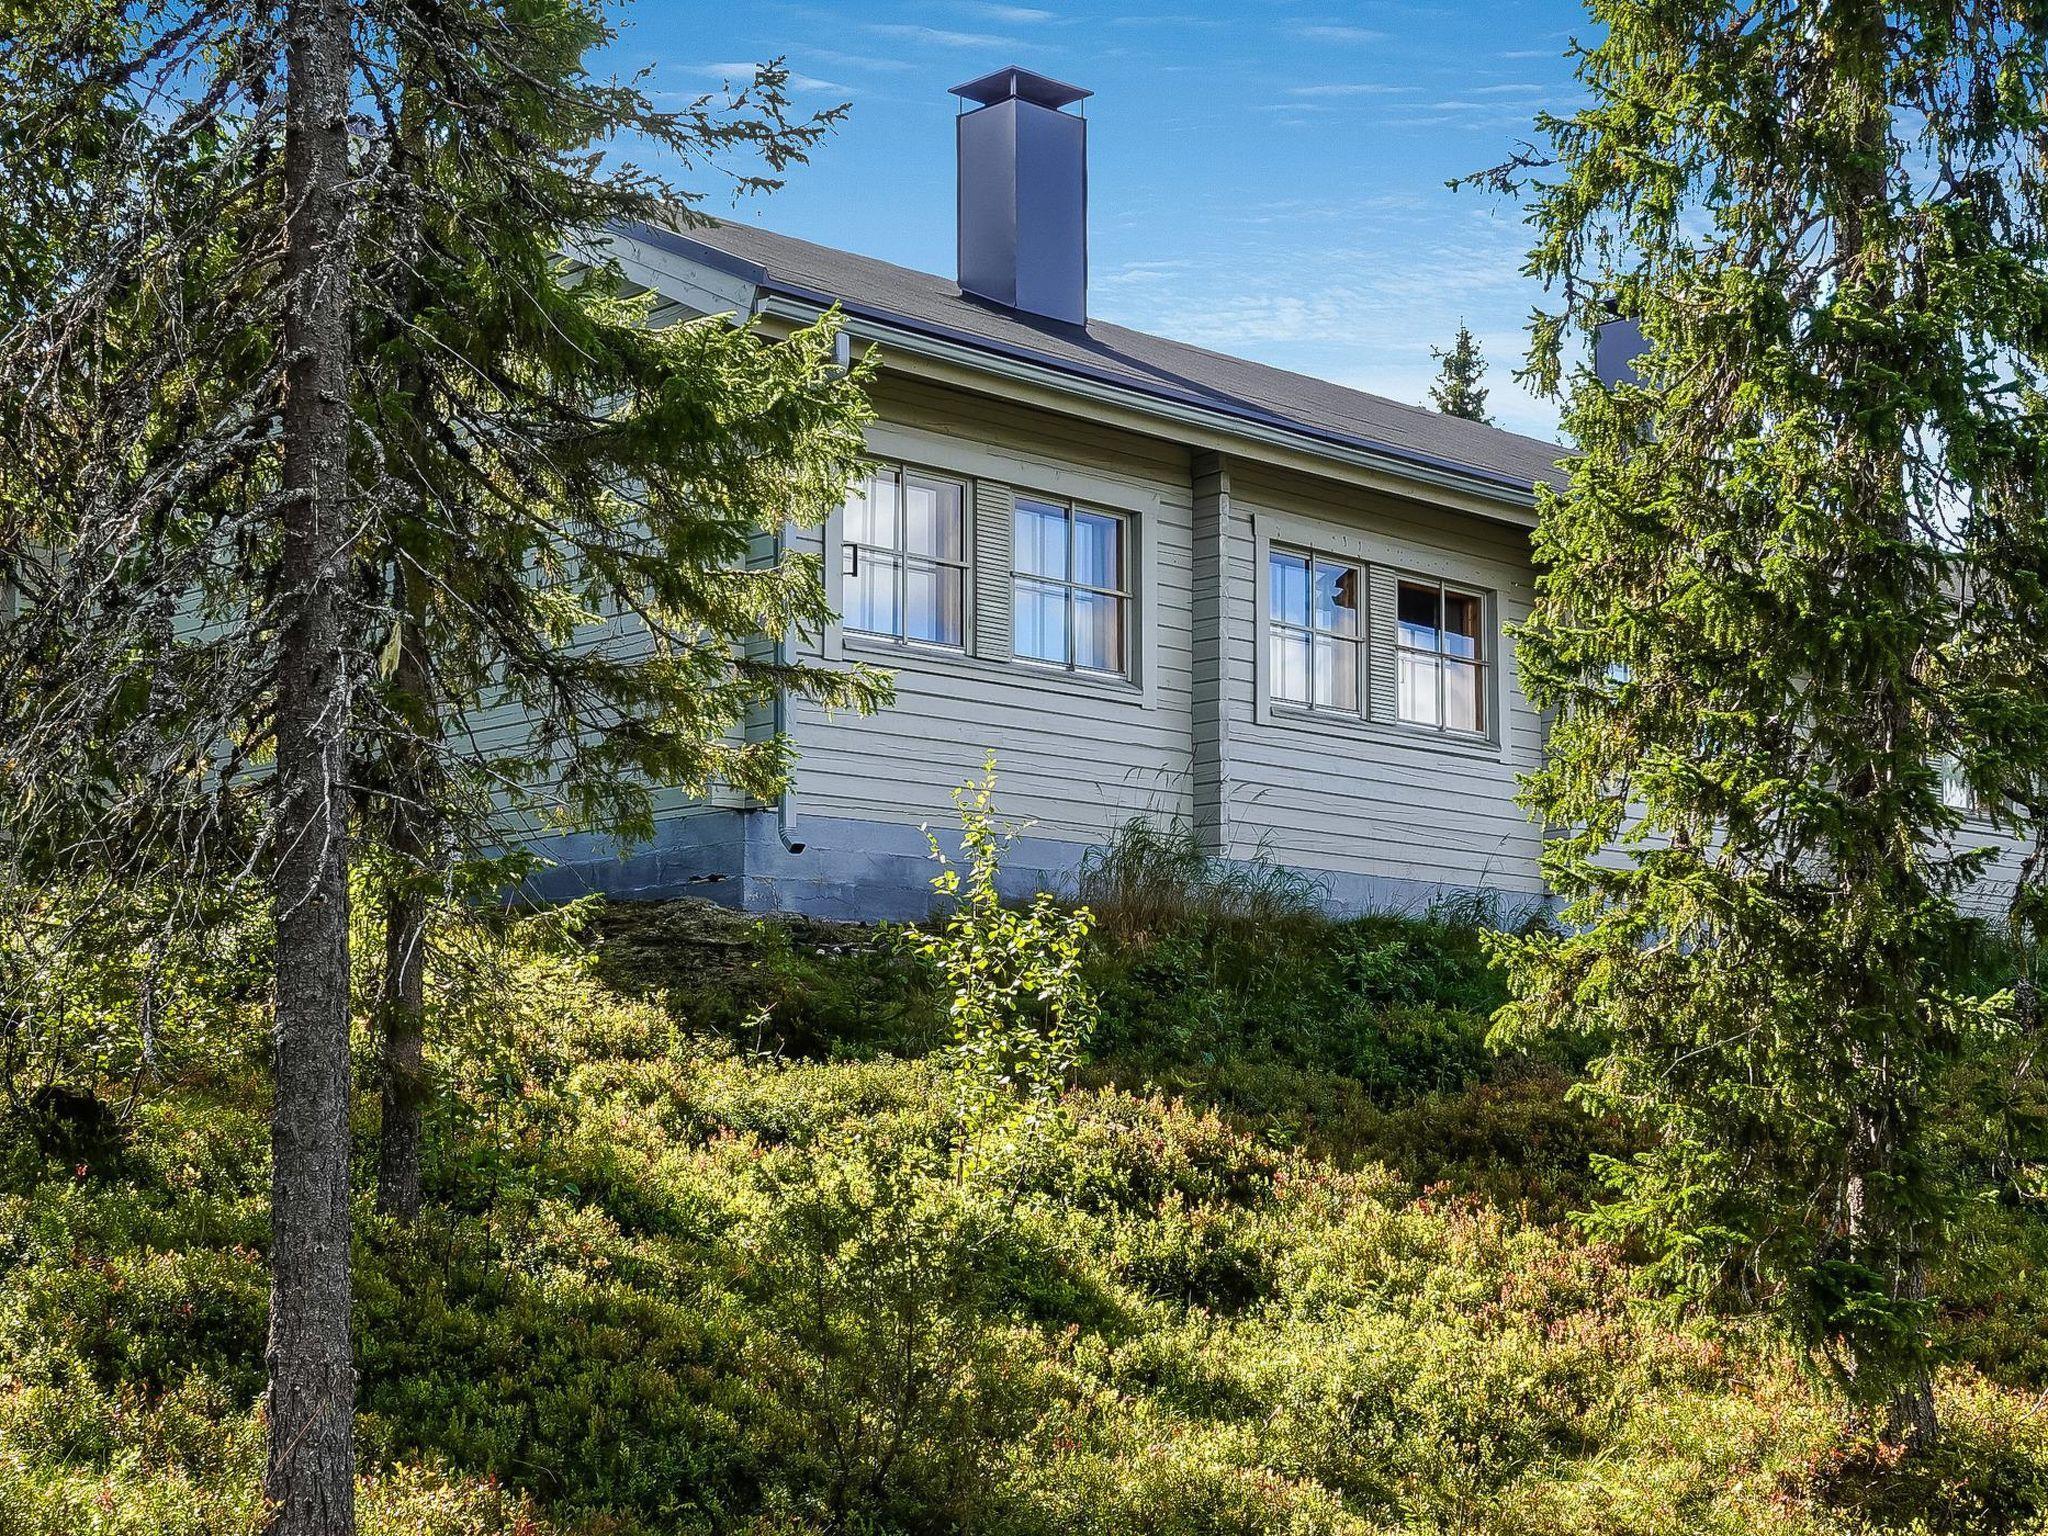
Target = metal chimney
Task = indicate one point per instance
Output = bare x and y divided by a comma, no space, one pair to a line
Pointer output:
1617,343
1024,194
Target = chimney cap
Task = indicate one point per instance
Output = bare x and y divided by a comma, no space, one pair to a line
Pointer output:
1024,85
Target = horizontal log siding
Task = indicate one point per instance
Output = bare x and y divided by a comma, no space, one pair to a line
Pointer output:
1075,757
1378,804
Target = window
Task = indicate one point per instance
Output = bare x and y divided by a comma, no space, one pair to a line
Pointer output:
1957,793
1072,593
1315,632
1440,641
904,558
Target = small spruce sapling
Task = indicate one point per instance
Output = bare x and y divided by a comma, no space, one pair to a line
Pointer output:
1459,390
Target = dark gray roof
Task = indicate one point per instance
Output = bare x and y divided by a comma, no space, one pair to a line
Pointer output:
1169,370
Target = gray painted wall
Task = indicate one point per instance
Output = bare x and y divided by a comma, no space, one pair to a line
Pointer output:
1389,801
1381,815
1077,754
1384,815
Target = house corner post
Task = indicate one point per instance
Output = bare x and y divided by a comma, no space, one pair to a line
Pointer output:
1213,689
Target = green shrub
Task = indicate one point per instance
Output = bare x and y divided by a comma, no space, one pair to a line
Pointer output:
772,986
1149,879
1303,1267
106,993
1400,1005
1020,1012
894,1390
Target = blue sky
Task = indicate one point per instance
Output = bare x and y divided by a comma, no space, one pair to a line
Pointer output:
1266,176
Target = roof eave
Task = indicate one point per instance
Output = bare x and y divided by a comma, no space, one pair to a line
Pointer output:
1516,499
795,301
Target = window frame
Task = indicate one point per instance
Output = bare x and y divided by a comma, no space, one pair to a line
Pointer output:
1960,795
850,552
1360,641
1481,663
1123,596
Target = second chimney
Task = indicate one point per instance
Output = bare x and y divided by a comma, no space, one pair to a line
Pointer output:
1024,195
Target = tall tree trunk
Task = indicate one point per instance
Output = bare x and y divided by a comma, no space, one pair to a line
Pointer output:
1880,1234
414,785
309,1475
405,1041
1910,1419
405,926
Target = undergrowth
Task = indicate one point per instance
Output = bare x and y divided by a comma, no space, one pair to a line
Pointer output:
1295,1257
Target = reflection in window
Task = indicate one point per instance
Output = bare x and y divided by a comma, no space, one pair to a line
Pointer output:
1957,793
1442,656
1314,631
1071,600
904,558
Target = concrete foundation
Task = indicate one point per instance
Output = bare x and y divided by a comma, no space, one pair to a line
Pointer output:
867,871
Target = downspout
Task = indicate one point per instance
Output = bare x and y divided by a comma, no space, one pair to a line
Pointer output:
785,810
785,813
785,816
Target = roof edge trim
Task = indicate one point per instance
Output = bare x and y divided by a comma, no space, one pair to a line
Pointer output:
1505,488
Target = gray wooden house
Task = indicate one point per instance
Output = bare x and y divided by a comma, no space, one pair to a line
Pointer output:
1153,579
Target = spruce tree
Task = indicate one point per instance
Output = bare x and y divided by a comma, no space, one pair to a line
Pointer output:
521,415
1793,570
1458,390
347,498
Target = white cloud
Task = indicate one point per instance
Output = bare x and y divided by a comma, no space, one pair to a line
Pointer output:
857,60
1141,274
938,37
743,74
1351,88
1010,15
1464,122
1352,289
1330,33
